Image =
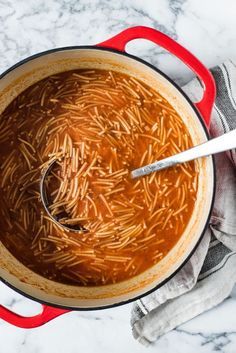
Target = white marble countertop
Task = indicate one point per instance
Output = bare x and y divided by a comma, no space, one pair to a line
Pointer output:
208,29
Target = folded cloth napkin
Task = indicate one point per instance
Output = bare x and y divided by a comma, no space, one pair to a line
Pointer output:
210,274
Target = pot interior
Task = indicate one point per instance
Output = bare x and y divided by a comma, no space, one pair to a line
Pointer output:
12,271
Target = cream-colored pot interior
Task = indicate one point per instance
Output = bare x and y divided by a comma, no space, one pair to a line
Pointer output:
22,278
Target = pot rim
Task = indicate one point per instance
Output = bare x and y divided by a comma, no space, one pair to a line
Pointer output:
197,113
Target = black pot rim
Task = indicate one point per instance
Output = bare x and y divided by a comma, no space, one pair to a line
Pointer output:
92,47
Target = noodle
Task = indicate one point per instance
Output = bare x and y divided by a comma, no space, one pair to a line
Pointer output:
97,125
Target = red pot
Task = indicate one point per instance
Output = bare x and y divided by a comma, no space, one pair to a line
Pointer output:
111,54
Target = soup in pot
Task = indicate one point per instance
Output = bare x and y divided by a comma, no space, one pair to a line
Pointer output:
98,125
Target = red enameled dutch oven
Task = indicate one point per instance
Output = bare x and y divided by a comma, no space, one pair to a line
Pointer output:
60,298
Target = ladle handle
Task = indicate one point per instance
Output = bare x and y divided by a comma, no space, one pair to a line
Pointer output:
120,41
219,144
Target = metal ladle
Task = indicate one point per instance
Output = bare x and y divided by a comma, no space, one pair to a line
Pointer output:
46,203
216,145
219,144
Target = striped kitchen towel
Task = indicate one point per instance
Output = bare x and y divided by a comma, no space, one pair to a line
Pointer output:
210,274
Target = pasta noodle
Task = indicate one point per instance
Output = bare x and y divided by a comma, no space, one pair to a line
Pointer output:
97,125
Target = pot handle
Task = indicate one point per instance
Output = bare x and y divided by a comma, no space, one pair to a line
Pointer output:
48,313
120,41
